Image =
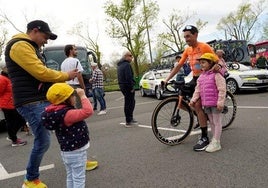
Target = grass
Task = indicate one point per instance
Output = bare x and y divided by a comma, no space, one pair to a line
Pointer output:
111,87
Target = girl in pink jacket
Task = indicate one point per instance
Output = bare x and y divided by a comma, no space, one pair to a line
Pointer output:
211,89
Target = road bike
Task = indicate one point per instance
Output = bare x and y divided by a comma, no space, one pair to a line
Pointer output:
233,52
173,119
233,65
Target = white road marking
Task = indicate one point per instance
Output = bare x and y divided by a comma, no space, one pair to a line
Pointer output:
253,107
193,132
5,175
119,99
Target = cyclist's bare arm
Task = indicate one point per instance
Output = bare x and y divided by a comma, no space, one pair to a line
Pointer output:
173,72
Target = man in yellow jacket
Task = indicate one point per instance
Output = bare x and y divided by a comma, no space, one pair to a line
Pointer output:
30,80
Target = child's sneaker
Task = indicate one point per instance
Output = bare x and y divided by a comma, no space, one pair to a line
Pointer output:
33,184
213,146
19,142
91,165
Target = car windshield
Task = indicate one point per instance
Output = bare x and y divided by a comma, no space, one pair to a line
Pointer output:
54,58
162,75
243,67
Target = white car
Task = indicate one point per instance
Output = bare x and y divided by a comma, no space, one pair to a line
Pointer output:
150,83
247,78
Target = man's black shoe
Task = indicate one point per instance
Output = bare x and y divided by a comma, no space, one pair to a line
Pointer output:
201,144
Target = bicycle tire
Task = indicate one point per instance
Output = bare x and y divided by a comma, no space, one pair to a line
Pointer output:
165,128
238,54
229,111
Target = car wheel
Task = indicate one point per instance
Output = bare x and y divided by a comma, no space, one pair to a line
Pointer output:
158,93
232,85
142,92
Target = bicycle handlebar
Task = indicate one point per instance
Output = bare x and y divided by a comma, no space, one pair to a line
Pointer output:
175,86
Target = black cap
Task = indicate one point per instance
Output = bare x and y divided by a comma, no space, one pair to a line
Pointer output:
190,28
43,27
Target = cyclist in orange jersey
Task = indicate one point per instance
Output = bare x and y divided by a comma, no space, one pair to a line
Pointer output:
194,51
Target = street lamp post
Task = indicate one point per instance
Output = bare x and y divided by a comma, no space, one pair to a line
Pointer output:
148,35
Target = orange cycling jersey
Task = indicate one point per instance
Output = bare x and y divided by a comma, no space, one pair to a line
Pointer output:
193,53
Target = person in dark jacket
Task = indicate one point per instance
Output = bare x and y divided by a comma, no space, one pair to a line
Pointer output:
126,84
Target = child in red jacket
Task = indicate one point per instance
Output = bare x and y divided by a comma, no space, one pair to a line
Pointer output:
14,120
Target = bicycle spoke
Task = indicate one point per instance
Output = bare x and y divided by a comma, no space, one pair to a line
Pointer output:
229,111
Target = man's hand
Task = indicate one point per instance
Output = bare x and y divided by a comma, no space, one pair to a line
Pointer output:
163,84
191,104
216,67
72,74
81,93
220,108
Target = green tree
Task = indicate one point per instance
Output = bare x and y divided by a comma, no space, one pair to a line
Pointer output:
240,24
82,31
127,23
159,50
173,38
265,30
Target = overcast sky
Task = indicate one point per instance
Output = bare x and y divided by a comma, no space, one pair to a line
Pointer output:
62,15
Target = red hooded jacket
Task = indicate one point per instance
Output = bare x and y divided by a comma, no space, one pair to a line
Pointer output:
6,99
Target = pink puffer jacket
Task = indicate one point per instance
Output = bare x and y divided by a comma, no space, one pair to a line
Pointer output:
211,88
208,89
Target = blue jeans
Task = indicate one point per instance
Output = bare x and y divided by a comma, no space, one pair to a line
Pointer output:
98,94
75,165
32,114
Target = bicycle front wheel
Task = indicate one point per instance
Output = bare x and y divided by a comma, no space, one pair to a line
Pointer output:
229,111
170,124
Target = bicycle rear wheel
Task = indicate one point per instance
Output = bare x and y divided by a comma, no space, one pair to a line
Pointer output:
229,111
172,125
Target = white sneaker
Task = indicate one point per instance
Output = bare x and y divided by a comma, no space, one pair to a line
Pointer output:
102,112
213,146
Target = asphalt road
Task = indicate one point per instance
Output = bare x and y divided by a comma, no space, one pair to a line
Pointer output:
134,158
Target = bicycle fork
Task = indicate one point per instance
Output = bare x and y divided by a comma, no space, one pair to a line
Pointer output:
176,118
